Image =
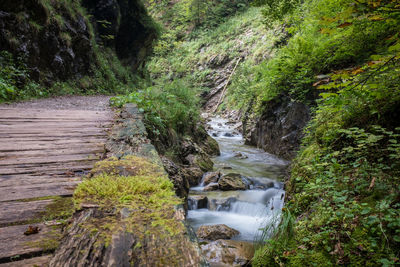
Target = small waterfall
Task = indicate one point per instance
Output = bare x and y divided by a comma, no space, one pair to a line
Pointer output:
250,209
244,210
193,204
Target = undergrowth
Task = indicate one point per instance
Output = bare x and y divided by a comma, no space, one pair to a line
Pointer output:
344,186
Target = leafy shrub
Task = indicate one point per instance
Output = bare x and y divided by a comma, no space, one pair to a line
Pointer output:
171,106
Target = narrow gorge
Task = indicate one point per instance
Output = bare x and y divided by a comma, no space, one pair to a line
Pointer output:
199,133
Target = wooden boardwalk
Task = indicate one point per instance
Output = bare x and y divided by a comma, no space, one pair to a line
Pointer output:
43,155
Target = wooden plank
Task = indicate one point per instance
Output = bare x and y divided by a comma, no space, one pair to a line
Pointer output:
22,245
40,190
14,212
49,169
51,120
12,110
24,179
55,152
50,132
33,262
33,138
60,123
56,144
45,114
11,161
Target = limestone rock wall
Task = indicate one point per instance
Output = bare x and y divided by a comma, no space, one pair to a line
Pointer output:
280,127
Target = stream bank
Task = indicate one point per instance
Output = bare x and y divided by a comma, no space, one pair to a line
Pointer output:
244,193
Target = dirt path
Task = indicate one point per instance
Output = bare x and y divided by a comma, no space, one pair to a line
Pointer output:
46,146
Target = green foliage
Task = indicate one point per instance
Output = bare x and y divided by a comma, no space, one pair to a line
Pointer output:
106,75
343,189
185,19
15,81
170,106
274,10
322,35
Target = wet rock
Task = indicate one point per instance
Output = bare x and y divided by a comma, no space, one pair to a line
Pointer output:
193,175
197,202
211,187
223,204
212,147
240,155
228,252
215,134
211,177
228,135
215,232
181,183
232,181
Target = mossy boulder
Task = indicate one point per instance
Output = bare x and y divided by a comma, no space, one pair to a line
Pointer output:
127,166
232,181
132,220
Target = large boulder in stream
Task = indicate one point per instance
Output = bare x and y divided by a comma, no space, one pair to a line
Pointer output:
215,232
228,253
232,181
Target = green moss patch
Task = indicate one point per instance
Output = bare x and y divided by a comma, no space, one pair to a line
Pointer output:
142,202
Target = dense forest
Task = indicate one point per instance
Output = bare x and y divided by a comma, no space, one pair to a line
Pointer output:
315,82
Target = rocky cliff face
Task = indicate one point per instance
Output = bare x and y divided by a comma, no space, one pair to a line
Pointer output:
280,127
56,39
124,26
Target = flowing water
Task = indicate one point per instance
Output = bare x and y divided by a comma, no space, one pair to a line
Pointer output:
246,211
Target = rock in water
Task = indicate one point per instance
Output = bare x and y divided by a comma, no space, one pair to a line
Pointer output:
232,181
215,232
211,177
228,252
211,187
197,202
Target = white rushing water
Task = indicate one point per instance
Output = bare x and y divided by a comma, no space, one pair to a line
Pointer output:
246,211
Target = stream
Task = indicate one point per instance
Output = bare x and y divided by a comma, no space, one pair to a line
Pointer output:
249,210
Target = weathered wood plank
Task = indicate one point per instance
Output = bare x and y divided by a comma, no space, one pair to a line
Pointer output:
48,132
52,112
24,179
33,262
19,244
55,152
49,169
14,212
39,190
56,144
13,160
